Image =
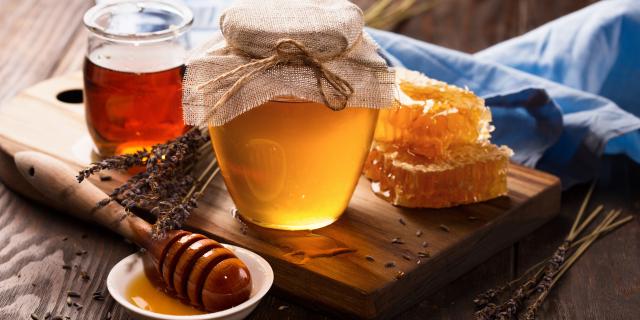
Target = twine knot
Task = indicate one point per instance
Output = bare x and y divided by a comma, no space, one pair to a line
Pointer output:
287,52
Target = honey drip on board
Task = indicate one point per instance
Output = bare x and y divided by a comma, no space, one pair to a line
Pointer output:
293,165
300,246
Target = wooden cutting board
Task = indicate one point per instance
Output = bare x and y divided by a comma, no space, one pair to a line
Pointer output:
305,266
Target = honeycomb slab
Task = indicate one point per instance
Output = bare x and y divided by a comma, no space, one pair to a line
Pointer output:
433,149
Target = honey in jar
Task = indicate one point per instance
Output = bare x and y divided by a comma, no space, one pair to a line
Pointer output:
133,73
291,164
133,105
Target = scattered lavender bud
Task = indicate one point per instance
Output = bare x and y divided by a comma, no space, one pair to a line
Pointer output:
84,276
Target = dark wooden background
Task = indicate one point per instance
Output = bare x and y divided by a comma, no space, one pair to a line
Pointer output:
45,38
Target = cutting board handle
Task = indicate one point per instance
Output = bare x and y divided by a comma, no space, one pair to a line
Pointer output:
56,181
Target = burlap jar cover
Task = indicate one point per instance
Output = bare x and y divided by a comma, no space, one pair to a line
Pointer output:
310,49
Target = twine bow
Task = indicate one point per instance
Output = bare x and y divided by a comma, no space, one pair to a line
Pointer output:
287,52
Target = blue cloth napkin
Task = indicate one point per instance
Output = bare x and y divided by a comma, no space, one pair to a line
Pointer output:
560,95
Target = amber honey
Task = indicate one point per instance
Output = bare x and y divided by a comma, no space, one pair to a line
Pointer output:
135,102
142,293
291,164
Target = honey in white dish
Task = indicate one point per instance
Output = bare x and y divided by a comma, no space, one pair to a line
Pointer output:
145,295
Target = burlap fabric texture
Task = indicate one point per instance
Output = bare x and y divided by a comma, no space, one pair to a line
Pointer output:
309,49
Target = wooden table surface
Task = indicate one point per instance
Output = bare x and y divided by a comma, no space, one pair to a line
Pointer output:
45,38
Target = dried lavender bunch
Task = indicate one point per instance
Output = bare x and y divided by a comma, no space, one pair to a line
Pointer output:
167,188
489,297
121,162
537,286
509,309
172,216
540,282
553,266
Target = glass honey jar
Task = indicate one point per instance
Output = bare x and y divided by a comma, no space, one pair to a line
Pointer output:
293,164
133,73
290,91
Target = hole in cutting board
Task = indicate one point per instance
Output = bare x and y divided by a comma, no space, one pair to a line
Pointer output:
70,96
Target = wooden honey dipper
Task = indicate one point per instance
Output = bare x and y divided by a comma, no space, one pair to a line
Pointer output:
194,268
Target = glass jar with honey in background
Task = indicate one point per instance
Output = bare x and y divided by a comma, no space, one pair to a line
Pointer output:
293,164
133,73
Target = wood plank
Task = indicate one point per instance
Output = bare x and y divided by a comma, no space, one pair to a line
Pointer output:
347,283
35,33
31,275
473,25
607,275
72,58
455,300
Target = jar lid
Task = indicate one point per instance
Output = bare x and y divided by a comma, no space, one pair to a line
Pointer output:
327,28
315,50
139,20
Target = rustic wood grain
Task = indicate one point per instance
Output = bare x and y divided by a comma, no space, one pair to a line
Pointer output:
454,300
35,34
347,283
473,25
492,21
73,57
33,252
607,276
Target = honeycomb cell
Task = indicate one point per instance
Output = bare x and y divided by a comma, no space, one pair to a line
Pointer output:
433,150
472,173
432,116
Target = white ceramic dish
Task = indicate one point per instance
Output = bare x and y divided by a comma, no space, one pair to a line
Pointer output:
128,268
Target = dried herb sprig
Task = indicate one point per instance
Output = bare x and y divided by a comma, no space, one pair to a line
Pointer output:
174,217
530,313
387,14
172,181
121,162
529,291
